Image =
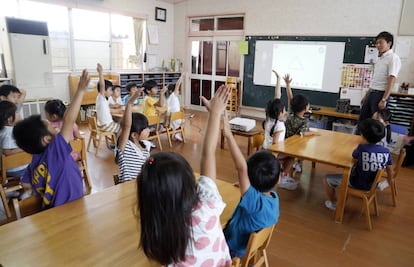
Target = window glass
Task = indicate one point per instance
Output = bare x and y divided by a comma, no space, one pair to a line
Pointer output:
207,57
88,53
195,91
233,59
221,58
90,25
195,57
197,25
235,23
123,43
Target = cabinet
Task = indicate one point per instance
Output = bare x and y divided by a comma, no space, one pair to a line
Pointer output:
402,109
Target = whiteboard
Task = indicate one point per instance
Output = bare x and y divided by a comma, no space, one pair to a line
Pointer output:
312,65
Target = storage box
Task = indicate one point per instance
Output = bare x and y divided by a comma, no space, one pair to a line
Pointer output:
343,128
242,124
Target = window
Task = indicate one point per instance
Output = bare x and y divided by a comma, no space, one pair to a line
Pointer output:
216,24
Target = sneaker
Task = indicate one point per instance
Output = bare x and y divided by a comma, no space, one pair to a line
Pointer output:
330,205
178,137
288,183
298,166
382,185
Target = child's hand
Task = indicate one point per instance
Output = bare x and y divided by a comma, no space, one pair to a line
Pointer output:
277,74
287,78
226,125
219,101
163,90
99,68
84,80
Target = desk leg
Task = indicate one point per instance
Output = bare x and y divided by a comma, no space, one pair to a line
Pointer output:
340,205
222,139
249,145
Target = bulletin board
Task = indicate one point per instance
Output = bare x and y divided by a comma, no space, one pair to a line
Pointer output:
257,95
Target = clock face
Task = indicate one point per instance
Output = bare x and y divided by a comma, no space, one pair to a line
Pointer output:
161,14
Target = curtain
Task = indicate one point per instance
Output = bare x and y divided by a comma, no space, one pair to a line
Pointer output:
139,27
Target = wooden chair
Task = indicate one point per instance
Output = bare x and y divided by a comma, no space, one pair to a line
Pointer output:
368,197
396,170
11,184
26,207
174,117
256,142
96,135
156,133
256,249
78,145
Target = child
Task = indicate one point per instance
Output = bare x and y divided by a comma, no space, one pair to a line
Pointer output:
384,117
54,111
115,101
132,151
13,94
369,156
259,204
274,124
173,104
296,123
8,117
131,89
53,174
180,219
150,103
103,112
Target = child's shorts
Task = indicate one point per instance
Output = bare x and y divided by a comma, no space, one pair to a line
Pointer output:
334,180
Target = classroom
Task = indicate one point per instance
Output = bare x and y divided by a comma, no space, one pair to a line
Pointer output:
205,42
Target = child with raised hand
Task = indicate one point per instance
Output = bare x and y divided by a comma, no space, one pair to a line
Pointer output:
180,219
53,174
150,102
369,156
274,124
259,204
131,88
115,100
173,104
132,150
8,118
13,94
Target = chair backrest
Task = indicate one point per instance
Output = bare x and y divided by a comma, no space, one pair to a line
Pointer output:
177,115
78,145
92,124
154,120
26,207
257,141
12,161
400,160
258,242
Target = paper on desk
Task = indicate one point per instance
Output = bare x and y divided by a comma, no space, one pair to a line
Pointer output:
355,95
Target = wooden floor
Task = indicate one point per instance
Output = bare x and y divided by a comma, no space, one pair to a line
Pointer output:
306,234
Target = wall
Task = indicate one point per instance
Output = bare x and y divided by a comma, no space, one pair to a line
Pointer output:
302,17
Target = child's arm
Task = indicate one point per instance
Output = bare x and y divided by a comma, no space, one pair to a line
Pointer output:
289,93
215,106
70,115
22,96
160,102
11,151
276,137
278,91
126,126
76,132
237,156
180,81
101,79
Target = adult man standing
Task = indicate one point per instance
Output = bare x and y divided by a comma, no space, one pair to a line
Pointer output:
385,72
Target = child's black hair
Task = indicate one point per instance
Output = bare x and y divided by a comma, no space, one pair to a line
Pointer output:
130,85
273,109
166,191
148,85
372,130
388,37
386,117
108,84
7,89
7,110
263,169
299,103
29,134
55,107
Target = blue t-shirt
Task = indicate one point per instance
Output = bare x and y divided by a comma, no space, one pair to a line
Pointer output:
254,212
54,175
370,158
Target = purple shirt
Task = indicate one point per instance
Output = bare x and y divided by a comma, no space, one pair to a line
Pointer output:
54,175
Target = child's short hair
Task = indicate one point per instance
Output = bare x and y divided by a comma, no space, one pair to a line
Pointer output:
7,110
385,114
372,130
388,37
7,89
116,86
108,84
29,133
130,85
55,107
167,191
139,123
148,85
263,169
170,89
299,103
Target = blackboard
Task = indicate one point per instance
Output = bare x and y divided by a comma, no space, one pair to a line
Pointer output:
258,95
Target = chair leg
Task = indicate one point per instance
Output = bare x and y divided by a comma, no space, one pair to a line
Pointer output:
393,193
266,262
5,204
376,206
98,141
183,134
367,214
159,142
86,178
89,142
169,134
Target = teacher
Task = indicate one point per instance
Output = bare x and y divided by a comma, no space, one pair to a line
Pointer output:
385,72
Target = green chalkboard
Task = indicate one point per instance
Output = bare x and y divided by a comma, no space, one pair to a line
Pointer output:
258,95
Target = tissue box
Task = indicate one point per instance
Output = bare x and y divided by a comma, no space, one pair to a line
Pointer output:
242,124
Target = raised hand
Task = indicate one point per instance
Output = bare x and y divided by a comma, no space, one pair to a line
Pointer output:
287,78
84,80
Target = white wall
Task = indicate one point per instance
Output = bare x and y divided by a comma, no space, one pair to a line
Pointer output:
302,17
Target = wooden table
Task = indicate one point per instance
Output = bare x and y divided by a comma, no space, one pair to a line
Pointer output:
331,112
97,230
248,134
333,148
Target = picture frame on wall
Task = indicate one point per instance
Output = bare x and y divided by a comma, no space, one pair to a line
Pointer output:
160,14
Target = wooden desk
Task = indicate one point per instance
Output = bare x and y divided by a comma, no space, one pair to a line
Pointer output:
97,230
331,112
248,134
333,148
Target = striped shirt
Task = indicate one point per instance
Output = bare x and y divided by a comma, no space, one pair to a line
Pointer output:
131,161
